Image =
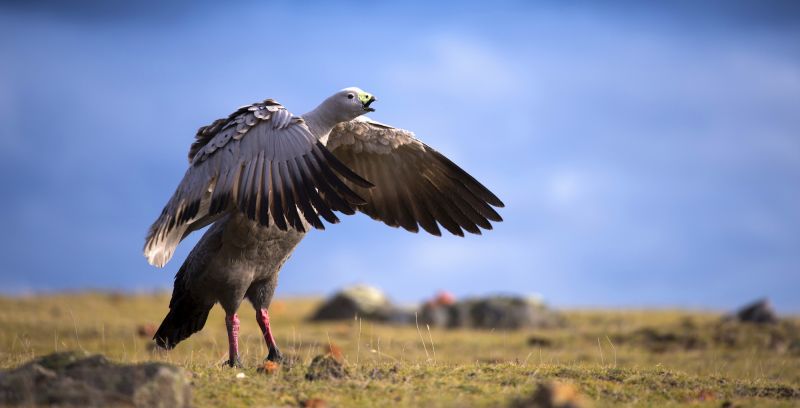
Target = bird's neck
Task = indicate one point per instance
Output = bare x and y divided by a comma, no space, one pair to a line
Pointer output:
321,121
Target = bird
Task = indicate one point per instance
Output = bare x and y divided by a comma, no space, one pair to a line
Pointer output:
262,178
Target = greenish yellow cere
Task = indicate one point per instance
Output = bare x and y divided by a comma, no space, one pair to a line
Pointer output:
614,358
364,97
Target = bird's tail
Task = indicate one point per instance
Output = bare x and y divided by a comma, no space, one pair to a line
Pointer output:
185,318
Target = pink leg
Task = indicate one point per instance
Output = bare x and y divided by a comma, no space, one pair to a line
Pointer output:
263,322
232,324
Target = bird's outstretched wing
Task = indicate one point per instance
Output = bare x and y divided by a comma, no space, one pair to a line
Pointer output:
414,184
262,161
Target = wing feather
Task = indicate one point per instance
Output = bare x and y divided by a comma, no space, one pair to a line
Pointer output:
300,196
248,163
319,204
415,186
276,197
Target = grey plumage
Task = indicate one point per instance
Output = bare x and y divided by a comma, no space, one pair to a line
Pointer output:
237,258
263,177
262,160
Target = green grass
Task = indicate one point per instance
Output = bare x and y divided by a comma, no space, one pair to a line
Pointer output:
638,358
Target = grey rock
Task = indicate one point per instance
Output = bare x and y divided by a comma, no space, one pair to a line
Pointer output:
760,311
364,301
494,312
551,395
73,379
436,315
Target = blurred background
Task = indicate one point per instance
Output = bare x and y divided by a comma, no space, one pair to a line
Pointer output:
648,154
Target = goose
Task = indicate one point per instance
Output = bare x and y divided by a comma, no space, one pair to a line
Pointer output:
262,178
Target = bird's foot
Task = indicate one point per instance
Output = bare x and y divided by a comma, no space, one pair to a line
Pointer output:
233,363
275,355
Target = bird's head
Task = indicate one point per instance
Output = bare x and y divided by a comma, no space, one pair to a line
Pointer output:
350,103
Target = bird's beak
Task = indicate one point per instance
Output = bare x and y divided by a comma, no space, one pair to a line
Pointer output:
366,100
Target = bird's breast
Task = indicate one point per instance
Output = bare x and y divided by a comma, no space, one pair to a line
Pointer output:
262,245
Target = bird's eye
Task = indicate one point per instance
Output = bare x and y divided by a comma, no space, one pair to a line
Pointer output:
350,96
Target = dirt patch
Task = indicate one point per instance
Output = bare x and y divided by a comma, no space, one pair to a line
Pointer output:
777,391
384,373
664,340
782,337
325,367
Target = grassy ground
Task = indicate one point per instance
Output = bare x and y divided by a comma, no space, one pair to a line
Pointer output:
613,358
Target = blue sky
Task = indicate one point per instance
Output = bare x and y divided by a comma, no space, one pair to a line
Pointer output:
648,155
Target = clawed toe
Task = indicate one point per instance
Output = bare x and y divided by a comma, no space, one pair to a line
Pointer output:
237,363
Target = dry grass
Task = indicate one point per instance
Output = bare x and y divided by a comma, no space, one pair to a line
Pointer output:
613,357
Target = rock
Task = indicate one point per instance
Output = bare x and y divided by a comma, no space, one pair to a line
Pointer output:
268,368
537,341
334,351
444,297
147,330
760,311
494,312
552,395
706,395
361,300
325,367
314,403
435,315
78,380
436,312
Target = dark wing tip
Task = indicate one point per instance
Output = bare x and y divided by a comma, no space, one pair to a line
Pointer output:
432,229
470,182
414,228
496,202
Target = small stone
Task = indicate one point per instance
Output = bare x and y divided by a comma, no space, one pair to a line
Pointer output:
706,395
335,351
552,395
268,368
147,330
537,341
315,403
